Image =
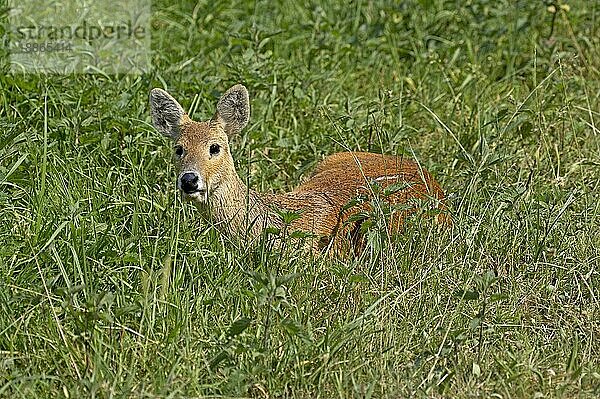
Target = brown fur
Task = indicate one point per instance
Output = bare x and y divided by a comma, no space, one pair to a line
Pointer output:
341,177
321,200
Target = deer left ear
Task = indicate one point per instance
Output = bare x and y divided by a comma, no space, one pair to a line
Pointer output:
167,114
233,109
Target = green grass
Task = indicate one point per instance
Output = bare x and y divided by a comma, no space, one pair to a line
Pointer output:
110,286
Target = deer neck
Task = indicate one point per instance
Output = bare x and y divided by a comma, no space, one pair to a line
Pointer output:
236,209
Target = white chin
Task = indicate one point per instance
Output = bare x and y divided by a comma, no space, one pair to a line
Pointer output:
197,196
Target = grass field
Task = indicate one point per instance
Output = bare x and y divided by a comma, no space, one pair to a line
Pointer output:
111,286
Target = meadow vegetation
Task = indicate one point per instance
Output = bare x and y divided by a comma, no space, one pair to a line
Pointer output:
111,286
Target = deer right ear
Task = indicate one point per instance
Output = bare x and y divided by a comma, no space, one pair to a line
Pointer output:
167,114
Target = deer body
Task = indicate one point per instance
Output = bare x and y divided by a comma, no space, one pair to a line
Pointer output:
208,176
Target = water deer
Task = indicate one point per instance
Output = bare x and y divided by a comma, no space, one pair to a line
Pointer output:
207,176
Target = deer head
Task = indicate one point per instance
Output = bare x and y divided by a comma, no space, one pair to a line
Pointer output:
202,150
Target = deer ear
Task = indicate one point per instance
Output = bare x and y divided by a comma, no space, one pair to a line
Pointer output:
233,109
167,114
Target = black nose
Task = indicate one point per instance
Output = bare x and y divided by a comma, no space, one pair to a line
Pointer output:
189,182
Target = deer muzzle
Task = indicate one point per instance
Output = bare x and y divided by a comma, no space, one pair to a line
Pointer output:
192,185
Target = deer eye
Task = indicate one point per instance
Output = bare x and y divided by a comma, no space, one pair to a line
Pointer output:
178,150
214,149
